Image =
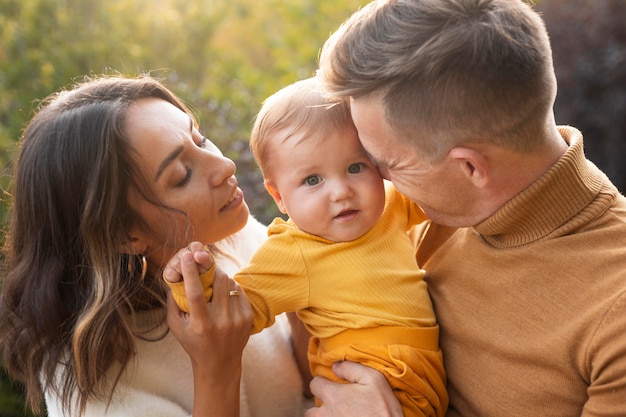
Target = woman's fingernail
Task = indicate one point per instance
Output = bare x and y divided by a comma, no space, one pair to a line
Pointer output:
188,258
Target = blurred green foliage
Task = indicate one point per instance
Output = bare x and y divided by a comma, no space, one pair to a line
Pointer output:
223,57
11,404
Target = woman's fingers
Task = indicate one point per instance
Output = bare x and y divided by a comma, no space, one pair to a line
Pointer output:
240,300
193,288
172,271
222,325
230,298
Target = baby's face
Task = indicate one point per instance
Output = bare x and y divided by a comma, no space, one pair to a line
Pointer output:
327,185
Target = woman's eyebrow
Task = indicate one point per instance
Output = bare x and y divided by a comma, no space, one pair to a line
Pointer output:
174,154
168,159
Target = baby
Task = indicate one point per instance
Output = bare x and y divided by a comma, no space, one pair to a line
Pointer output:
343,260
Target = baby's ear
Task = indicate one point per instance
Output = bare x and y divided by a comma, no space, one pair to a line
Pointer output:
271,188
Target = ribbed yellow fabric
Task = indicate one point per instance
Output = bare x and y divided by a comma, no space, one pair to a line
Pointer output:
178,289
357,286
414,370
426,338
371,281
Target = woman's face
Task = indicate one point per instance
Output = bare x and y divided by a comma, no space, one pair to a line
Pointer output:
186,172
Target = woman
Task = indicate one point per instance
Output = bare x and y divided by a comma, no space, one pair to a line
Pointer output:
112,178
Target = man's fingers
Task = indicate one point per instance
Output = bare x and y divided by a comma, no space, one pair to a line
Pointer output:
357,373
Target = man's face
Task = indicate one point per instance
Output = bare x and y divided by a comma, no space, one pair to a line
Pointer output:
431,185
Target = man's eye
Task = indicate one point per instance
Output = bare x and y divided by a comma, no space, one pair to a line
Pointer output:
355,168
312,180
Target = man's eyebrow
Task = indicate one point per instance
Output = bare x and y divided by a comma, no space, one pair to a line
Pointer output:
172,156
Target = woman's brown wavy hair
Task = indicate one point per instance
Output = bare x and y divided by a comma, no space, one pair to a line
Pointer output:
69,295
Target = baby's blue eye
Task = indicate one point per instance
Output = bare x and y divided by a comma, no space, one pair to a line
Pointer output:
203,142
355,168
312,180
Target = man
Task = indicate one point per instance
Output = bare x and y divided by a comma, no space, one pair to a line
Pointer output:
526,255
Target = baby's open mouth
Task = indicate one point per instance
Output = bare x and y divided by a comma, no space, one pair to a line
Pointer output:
346,213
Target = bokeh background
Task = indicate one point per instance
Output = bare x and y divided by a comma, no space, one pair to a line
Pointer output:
223,57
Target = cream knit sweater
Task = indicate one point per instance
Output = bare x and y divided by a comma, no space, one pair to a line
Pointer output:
159,383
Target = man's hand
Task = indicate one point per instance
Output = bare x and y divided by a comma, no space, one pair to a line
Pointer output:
367,394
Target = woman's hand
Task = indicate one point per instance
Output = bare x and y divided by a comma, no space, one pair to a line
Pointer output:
214,336
367,394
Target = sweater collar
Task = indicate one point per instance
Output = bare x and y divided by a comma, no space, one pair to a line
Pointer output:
551,205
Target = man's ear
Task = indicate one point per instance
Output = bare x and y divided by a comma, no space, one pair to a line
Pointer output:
271,188
474,165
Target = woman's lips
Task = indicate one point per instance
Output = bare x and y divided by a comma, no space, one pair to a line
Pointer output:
235,200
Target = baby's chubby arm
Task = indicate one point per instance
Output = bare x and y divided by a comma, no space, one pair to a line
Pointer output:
172,274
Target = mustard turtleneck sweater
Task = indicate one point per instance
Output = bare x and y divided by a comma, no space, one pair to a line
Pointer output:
532,301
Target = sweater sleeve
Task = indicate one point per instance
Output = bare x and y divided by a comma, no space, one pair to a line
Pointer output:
178,288
606,365
132,403
276,280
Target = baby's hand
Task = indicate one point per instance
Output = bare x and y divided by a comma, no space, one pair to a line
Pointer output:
173,272
173,276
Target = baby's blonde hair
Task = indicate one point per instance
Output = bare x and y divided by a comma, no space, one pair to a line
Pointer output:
302,107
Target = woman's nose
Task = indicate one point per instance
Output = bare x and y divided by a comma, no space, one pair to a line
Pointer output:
221,169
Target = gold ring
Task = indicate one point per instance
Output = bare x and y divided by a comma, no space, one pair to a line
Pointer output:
233,293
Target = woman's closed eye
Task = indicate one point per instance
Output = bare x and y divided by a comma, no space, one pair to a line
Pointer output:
204,143
186,178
